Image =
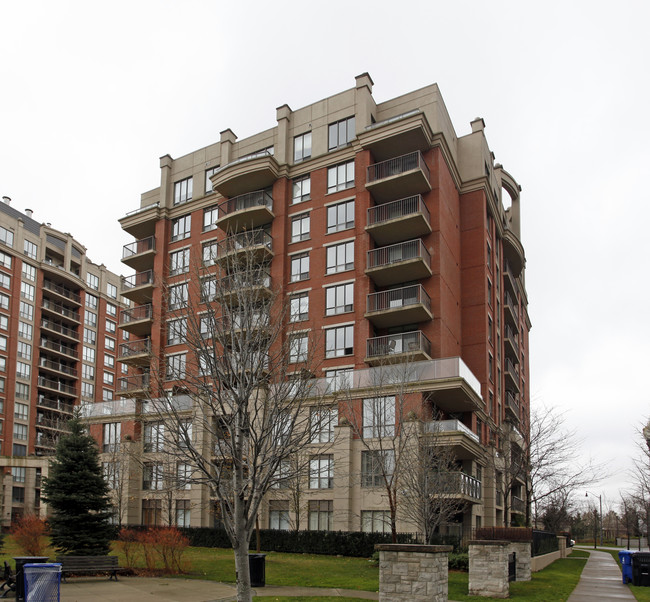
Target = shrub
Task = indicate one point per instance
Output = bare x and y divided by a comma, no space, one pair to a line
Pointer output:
170,544
149,550
128,541
459,562
28,532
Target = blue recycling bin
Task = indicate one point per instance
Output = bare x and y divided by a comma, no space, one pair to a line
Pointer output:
625,556
43,582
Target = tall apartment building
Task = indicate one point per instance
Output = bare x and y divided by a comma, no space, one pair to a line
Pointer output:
58,347
397,239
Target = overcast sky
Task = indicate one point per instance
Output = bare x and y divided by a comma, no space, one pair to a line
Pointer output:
92,94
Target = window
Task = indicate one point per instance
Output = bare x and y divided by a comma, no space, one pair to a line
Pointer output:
376,467
18,450
27,291
18,474
340,216
298,348
279,514
90,336
91,301
29,272
375,521
5,260
340,177
88,371
299,267
154,436
3,364
301,189
21,411
24,350
183,191
3,343
183,513
302,147
111,439
87,390
92,281
4,324
339,299
90,319
210,253
4,301
378,417
31,250
181,227
176,331
107,395
323,421
88,354
151,512
340,133
2,386
111,327
208,174
26,311
179,262
321,472
5,281
111,309
299,307
184,476
210,216
22,391
152,476
320,515
109,343
6,237
23,370
111,290
24,330
18,495
339,341
109,378
338,379
178,296
207,326
340,257
176,366
111,474
20,432
300,227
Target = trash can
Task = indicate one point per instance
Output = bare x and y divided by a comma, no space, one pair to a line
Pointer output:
42,582
257,568
641,569
625,556
21,561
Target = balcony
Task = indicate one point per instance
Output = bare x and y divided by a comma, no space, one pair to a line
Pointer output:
62,291
513,252
137,320
135,353
57,367
139,254
252,247
510,310
397,263
57,309
464,441
138,287
246,211
518,506
509,280
511,344
397,135
398,220
254,172
457,484
61,330
59,348
256,283
56,385
512,405
60,405
116,407
397,348
399,177
512,375
394,307
131,386
141,223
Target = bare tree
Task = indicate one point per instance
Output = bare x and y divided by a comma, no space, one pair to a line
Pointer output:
241,396
641,479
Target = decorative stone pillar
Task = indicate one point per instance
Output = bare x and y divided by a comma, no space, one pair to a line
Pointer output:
561,545
410,572
488,568
523,550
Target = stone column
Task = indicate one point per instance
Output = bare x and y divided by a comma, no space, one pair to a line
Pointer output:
488,568
523,560
561,545
410,572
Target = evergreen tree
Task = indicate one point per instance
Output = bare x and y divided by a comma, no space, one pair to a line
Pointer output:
78,496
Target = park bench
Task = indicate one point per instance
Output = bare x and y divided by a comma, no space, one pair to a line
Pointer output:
89,564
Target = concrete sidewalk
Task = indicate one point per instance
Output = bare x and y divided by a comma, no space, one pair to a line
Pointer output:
601,579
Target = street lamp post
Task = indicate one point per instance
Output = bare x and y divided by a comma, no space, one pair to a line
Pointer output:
600,500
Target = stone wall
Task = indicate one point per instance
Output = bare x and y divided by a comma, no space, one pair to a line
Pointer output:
413,573
488,568
523,559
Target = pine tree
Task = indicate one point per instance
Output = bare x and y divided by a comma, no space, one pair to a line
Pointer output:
78,496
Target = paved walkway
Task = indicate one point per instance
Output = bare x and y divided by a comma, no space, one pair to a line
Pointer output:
601,580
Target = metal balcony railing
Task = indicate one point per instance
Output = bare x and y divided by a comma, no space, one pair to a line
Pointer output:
512,402
512,370
397,209
61,310
135,280
68,332
139,246
135,314
135,348
399,297
58,366
406,342
58,347
459,483
259,198
134,382
61,290
56,385
518,505
397,166
244,241
512,306
235,282
449,426
403,251
54,404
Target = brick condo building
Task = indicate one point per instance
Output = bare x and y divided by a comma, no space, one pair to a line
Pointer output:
397,239
58,347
